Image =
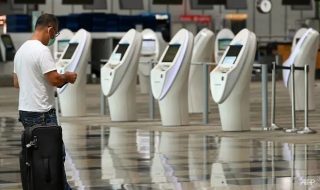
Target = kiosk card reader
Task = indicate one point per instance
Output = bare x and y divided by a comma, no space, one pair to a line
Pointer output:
118,77
75,59
150,51
7,49
222,41
169,79
303,53
202,53
61,43
230,81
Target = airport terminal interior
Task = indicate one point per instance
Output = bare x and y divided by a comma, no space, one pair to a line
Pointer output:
172,94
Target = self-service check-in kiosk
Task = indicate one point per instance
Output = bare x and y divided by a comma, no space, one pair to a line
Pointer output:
118,77
304,53
75,59
150,51
222,41
61,43
169,79
7,50
202,53
230,82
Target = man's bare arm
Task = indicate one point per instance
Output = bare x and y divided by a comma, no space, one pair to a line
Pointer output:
15,80
59,80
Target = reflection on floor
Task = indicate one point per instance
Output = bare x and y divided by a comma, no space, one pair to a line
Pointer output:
100,157
143,155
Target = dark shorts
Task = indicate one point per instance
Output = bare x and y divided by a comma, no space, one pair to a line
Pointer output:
30,119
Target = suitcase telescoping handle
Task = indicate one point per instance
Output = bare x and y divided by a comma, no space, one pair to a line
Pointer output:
33,143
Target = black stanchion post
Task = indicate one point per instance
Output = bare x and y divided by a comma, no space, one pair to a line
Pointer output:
264,95
306,129
206,93
293,99
151,99
273,100
103,103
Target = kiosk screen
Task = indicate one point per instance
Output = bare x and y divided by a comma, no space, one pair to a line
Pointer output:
148,46
7,41
122,48
171,53
70,51
62,45
232,54
223,43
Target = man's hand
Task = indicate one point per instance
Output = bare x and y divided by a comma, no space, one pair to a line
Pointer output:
71,77
59,80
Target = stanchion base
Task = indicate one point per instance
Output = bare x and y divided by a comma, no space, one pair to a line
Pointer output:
306,130
274,127
266,129
290,130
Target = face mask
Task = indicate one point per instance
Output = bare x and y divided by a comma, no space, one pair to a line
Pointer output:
51,41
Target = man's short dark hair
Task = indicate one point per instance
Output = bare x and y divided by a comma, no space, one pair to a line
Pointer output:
47,20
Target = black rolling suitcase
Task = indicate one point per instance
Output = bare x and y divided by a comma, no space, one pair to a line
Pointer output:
41,161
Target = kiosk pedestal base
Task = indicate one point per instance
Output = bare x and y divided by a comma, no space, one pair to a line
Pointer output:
235,112
122,104
174,111
73,102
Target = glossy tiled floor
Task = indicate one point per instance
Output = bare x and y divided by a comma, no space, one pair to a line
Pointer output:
143,155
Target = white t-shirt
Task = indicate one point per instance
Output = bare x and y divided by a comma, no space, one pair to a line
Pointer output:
31,62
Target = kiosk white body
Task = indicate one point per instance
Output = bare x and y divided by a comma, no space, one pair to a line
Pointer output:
75,59
61,43
150,51
222,41
169,79
230,81
304,53
202,53
118,77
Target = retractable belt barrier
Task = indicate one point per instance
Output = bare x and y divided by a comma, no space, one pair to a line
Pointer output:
294,129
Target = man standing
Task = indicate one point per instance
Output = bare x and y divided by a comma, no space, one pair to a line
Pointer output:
36,76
